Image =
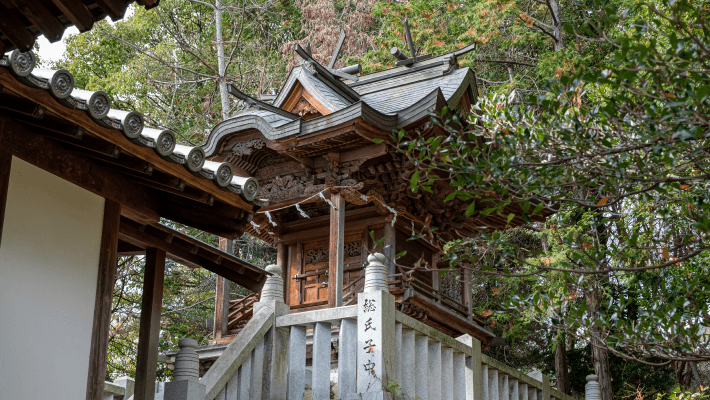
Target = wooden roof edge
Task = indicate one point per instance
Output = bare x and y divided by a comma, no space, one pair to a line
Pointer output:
400,70
55,91
45,21
258,103
191,252
330,79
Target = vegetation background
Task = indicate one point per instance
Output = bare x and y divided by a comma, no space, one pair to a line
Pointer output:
173,62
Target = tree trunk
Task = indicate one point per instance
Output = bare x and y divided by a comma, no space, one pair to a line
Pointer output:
696,373
221,66
561,371
600,357
554,7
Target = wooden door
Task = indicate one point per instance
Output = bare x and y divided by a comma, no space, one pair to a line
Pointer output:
316,263
315,260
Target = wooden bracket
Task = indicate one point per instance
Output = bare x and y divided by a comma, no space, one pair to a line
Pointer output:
79,132
39,111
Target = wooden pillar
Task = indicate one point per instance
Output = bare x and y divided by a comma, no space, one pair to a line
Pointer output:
5,164
435,278
301,270
390,248
466,290
337,249
221,308
282,261
149,333
102,303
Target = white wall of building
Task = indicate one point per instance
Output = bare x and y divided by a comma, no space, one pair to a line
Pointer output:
49,258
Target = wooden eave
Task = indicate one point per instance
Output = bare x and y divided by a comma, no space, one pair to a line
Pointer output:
22,21
146,185
298,94
135,238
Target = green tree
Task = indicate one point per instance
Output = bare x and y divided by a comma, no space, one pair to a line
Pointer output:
615,156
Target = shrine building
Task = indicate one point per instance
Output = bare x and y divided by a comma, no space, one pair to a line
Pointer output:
336,186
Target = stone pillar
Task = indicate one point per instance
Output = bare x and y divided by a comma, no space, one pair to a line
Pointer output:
186,377
376,333
128,383
474,370
275,360
592,391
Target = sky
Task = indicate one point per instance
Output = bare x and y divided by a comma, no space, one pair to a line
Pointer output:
53,51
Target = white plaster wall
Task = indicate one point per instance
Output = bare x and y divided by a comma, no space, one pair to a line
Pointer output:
49,258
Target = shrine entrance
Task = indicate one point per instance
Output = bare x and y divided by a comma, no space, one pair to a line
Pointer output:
312,283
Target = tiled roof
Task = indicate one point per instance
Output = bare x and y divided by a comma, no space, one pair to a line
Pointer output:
97,104
389,99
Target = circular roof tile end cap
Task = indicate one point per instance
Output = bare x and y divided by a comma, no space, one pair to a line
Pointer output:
61,84
133,125
195,159
165,144
223,175
250,187
22,63
99,104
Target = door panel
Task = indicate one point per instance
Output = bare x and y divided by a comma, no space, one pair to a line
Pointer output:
315,264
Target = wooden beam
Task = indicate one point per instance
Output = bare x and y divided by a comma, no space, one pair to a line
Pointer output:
115,9
76,12
14,30
5,165
221,309
310,233
390,246
149,331
75,168
102,303
435,278
466,289
41,18
220,225
148,4
134,236
337,251
282,261
81,118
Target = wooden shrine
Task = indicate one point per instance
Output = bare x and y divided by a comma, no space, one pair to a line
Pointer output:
330,185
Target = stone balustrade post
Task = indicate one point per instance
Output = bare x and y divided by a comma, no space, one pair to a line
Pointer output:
375,334
186,376
275,362
592,391
129,385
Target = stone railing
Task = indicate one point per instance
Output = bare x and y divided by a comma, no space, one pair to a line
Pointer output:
381,354
120,389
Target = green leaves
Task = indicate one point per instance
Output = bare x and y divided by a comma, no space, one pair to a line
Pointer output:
414,181
613,157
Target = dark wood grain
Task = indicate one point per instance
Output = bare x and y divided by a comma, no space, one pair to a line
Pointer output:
114,8
133,235
102,304
5,166
12,28
149,331
221,308
115,137
336,249
41,18
75,168
76,12
282,261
